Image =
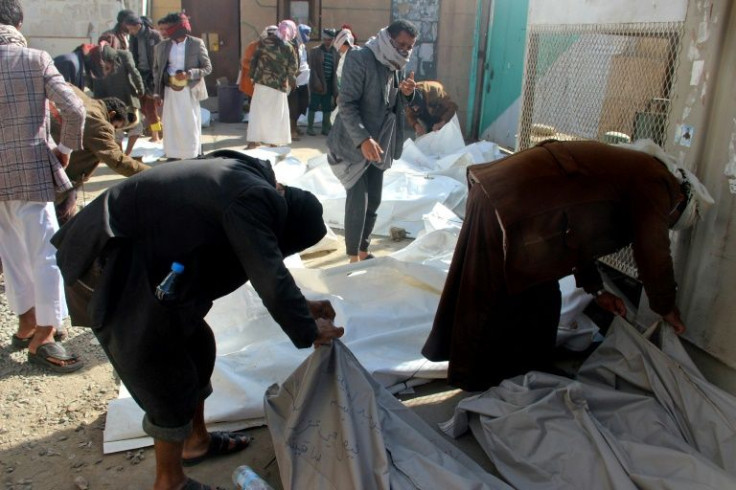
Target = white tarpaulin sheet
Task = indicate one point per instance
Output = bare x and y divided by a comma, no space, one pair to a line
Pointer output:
431,170
334,427
385,331
147,151
637,418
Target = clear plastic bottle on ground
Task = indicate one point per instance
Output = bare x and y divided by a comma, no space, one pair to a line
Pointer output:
245,478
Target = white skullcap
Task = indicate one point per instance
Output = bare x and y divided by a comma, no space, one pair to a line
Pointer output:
269,30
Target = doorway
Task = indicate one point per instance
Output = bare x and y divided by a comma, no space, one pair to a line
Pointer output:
217,22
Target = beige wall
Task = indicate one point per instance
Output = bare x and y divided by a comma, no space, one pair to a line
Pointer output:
159,8
455,50
255,15
59,27
366,17
455,38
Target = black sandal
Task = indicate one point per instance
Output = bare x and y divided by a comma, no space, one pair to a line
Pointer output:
19,343
220,446
58,352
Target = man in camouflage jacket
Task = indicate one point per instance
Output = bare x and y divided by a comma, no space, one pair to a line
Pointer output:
275,64
273,69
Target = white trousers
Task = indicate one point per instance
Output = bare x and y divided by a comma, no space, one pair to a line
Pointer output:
268,121
182,121
32,278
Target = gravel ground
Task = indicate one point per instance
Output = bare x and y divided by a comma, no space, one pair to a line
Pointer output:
51,425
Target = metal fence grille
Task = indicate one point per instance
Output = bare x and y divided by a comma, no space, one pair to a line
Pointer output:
605,82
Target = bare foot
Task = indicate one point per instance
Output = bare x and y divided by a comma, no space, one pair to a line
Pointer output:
27,324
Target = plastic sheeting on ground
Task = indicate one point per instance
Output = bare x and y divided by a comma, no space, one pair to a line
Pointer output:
386,332
638,417
334,427
576,330
146,150
430,171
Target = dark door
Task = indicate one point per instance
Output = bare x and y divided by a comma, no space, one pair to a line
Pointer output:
217,22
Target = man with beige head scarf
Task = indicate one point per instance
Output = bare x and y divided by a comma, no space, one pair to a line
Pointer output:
344,42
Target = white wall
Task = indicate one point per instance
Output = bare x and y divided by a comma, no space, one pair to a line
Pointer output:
503,130
562,12
59,26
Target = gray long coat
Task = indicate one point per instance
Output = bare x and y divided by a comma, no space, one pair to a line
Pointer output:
365,112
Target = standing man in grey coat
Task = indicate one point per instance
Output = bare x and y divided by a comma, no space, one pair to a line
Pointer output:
180,64
368,132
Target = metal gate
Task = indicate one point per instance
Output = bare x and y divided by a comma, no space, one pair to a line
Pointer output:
608,82
605,82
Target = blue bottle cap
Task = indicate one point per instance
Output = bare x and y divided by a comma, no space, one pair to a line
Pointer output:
177,267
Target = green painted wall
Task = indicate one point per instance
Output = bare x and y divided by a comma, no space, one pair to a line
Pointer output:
504,66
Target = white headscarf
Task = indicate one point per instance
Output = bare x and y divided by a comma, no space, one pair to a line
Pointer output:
698,198
269,30
385,52
344,36
9,35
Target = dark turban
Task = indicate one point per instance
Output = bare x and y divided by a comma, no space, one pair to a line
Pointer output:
304,224
125,14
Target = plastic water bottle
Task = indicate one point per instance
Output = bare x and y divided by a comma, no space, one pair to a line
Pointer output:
245,478
166,291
